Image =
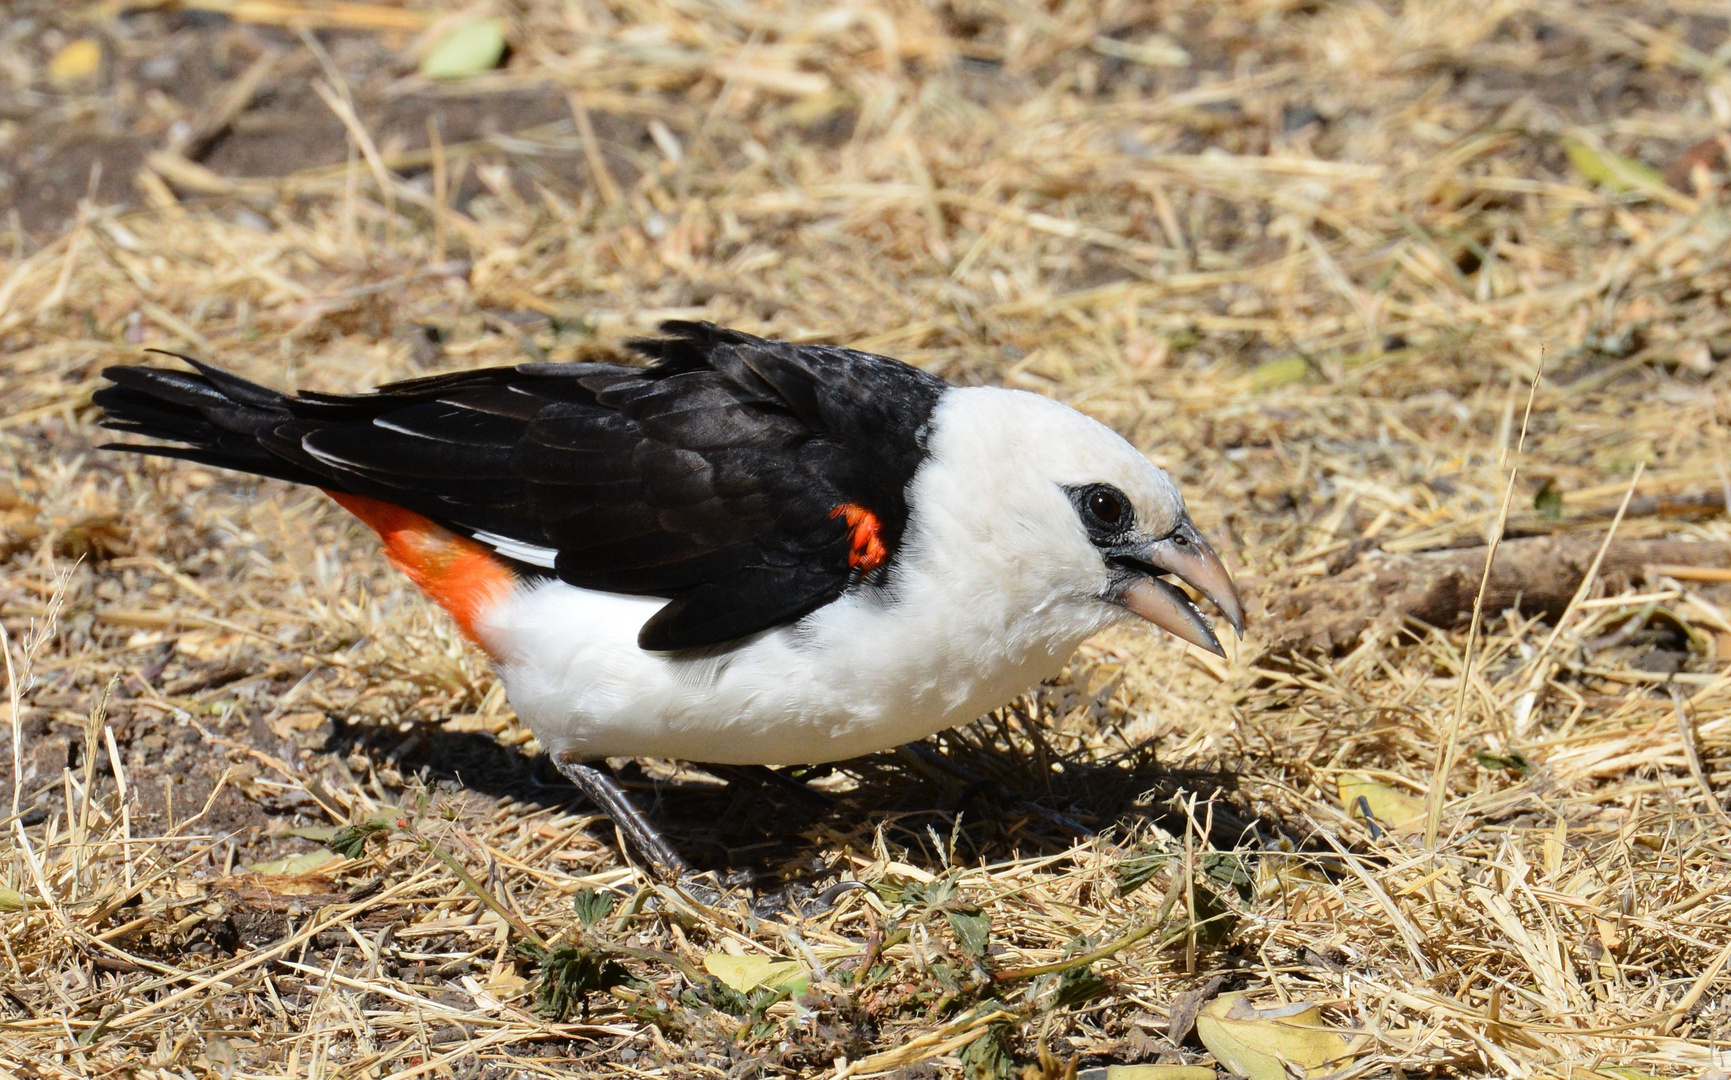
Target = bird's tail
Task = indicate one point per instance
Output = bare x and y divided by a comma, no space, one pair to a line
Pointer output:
204,415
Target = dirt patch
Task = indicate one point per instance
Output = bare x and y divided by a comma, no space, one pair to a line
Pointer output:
166,73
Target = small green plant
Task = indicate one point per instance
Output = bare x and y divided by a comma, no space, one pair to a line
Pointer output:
351,841
569,974
593,905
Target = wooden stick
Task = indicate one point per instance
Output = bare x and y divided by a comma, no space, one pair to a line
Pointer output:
1534,574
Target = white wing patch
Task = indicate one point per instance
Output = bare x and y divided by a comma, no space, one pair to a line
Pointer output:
327,458
533,554
381,422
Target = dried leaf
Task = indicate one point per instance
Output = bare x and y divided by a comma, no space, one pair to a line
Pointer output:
291,724
220,1057
747,973
1157,50
1181,1014
1148,1072
469,49
93,536
75,62
1263,1044
1389,805
320,833
1708,157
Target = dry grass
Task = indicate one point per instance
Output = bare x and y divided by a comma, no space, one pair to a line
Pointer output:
1311,257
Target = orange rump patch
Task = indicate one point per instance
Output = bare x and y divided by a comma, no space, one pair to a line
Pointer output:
458,574
866,550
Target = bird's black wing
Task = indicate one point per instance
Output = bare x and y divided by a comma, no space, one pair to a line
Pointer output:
720,476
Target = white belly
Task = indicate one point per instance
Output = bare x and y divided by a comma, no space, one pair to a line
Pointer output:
857,676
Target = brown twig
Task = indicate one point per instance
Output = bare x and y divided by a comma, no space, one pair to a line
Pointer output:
1539,575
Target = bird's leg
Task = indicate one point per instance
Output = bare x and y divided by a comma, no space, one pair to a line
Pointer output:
611,800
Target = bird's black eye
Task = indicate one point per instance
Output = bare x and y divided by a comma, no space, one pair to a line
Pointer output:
1106,505
1104,510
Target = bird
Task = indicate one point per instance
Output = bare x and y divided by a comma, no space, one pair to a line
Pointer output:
735,550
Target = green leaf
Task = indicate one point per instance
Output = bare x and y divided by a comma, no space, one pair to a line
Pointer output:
1277,373
1227,870
972,928
747,973
1079,985
470,48
989,1057
1549,500
1512,761
294,864
931,893
1600,166
351,841
899,889
1276,1043
749,1007
1139,868
593,905
1213,917
13,900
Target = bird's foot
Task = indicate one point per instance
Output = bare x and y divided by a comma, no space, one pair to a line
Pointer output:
707,888
800,901
610,799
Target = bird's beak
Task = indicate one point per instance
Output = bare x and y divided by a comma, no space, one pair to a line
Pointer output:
1185,555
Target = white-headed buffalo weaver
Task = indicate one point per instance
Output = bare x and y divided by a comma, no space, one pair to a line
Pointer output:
746,552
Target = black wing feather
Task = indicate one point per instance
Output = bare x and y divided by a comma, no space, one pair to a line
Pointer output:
711,477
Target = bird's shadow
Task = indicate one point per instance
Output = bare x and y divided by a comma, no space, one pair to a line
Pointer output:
986,793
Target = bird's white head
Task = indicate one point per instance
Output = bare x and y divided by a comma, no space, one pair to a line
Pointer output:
1023,494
